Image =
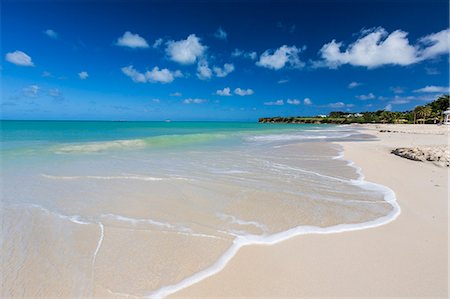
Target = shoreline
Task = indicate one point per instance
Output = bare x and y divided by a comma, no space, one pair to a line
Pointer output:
240,242
268,271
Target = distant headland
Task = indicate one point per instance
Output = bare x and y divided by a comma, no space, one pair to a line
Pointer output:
430,113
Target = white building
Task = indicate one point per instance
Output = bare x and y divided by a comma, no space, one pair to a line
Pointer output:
446,117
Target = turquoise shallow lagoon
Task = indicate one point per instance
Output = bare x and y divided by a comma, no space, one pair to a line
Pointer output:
146,208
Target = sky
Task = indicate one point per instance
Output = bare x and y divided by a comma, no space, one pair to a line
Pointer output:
219,60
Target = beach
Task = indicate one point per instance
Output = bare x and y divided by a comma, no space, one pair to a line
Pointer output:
221,209
407,257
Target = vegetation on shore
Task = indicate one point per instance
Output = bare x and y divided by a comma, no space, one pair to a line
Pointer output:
429,113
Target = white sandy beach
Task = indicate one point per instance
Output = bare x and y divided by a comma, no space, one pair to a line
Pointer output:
405,258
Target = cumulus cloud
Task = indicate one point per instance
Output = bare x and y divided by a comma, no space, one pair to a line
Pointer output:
397,100
397,89
83,75
280,57
433,89
224,92
51,33
153,76
162,75
136,76
31,91
365,97
157,43
56,94
223,72
132,41
435,44
388,107
220,34
194,101
293,102
19,58
376,47
339,105
354,84
203,70
282,81
307,101
185,51
274,103
176,94
244,54
243,92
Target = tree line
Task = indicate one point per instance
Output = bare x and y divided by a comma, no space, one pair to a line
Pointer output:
429,113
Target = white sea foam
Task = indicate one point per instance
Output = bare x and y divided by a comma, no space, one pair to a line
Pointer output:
245,240
92,147
297,137
234,219
115,177
72,218
284,137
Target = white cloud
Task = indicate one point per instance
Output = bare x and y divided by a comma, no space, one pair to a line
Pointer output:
354,84
31,91
307,101
162,75
274,103
157,43
243,92
376,48
83,75
176,94
401,100
365,97
132,41
56,94
223,72
155,75
435,44
224,92
51,33
244,54
431,71
194,101
339,105
46,74
282,81
19,58
220,34
388,107
156,101
136,76
186,51
203,70
293,102
282,56
433,89
397,89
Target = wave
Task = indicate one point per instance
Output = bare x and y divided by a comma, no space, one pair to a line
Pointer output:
117,177
294,137
92,147
250,239
155,141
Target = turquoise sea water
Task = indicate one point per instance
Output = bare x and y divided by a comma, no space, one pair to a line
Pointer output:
167,203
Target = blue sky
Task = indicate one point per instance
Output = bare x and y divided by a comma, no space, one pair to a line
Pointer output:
223,60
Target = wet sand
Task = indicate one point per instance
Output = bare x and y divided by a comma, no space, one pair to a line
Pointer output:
405,258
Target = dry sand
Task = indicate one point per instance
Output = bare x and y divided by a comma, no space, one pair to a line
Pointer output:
405,258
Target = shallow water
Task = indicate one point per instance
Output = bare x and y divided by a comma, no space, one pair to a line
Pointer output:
144,209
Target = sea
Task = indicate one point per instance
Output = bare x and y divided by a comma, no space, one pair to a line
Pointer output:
144,209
